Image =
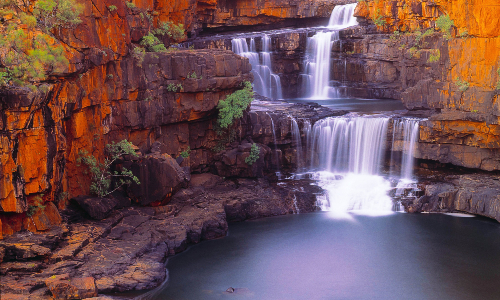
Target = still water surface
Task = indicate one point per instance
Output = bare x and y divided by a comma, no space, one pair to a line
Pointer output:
315,256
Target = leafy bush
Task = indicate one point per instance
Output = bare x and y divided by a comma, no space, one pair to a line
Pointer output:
462,85
232,107
28,50
444,23
130,4
434,57
36,206
185,153
172,87
463,33
254,155
101,172
112,8
176,32
138,53
379,21
152,43
498,82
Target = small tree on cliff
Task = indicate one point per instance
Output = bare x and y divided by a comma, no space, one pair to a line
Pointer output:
101,173
29,50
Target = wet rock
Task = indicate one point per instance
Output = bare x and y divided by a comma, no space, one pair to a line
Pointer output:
472,193
230,290
97,208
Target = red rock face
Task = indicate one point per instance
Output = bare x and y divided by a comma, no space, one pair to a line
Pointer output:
111,102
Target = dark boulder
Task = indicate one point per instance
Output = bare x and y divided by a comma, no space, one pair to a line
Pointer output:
160,177
97,208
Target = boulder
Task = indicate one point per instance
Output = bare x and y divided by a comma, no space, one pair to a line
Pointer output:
97,208
160,177
63,287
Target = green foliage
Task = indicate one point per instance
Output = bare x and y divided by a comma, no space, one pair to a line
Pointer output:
434,57
463,33
193,76
152,43
175,32
395,36
112,7
254,155
185,153
462,85
232,107
172,87
444,23
29,52
379,21
36,206
498,82
101,172
138,53
130,4
414,52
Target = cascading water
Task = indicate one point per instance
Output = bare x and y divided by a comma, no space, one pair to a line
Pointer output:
405,133
297,139
318,51
266,83
276,155
347,153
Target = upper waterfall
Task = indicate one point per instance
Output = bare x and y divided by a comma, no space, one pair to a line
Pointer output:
343,16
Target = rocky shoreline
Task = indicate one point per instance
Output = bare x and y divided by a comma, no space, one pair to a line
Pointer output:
128,250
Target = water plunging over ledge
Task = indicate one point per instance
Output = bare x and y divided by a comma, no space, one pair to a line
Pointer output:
316,79
266,83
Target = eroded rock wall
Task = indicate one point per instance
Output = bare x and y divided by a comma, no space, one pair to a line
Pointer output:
156,100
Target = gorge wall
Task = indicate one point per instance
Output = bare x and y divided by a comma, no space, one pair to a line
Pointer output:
107,95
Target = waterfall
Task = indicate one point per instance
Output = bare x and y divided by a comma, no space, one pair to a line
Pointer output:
347,154
350,144
318,52
296,137
276,155
265,82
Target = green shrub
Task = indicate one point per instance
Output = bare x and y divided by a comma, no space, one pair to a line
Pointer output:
101,173
29,51
444,23
234,105
130,4
462,85
498,82
254,155
379,21
112,8
138,53
172,87
176,32
36,206
434,57
185,153
463,33
152,43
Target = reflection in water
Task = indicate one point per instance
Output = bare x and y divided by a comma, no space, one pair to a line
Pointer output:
313,256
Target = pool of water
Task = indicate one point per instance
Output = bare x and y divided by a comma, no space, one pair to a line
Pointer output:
317,256
356,104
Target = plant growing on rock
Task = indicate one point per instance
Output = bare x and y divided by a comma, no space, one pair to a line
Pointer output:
230,110
152,43
36,206
29,50
234,105
175,32
498,82
172,87
112,8
462,85
139,53
444,23
101,172
434,57
185,153
254,155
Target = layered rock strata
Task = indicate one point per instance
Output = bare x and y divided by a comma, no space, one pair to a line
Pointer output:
127,251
